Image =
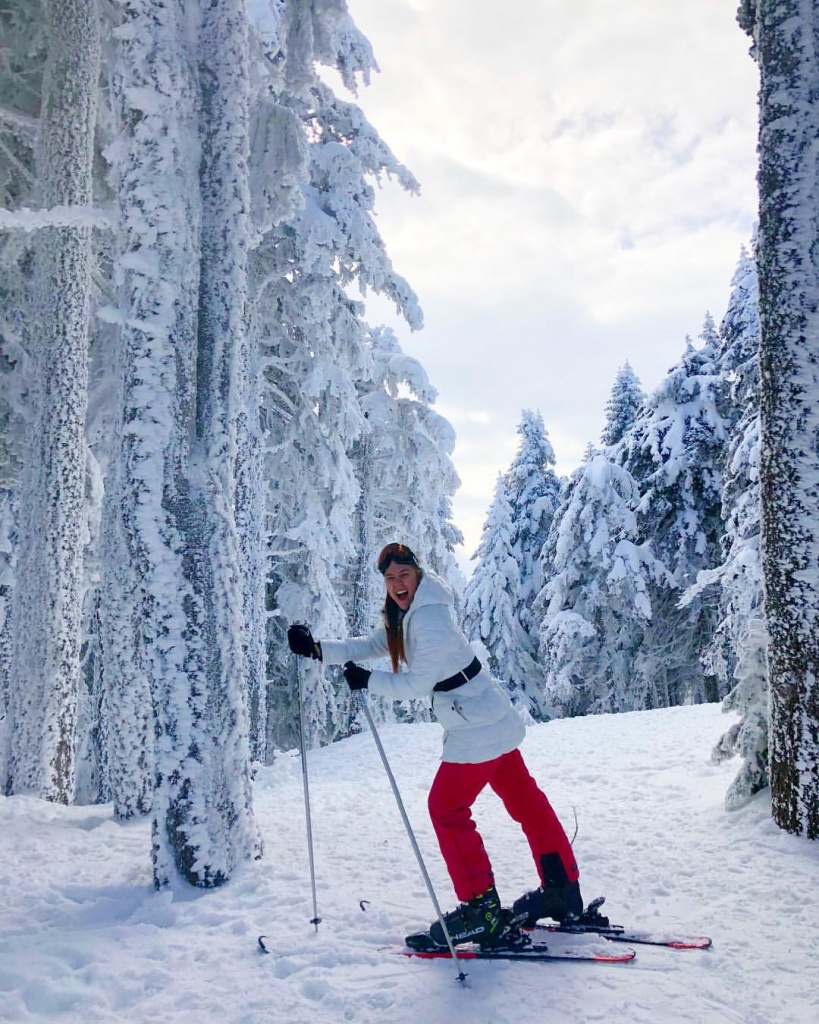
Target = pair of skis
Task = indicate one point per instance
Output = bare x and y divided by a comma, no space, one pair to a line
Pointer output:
547,942
554,942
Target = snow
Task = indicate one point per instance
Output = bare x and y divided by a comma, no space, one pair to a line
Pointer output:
83,936
57,217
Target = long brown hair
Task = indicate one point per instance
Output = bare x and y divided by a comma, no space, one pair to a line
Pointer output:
394,624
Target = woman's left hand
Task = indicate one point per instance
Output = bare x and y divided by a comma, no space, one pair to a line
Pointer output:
356,676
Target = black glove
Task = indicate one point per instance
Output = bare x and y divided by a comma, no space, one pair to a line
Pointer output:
301,642
356,676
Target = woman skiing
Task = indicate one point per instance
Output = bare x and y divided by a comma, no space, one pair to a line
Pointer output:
482,733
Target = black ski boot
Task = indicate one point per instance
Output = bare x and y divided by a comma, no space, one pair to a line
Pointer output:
557,898
480,920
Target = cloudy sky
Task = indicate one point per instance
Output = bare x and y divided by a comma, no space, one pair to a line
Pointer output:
587,173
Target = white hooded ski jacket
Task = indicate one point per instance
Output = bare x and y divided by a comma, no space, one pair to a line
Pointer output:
478,718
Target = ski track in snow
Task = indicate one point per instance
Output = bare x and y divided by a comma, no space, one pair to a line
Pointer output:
83,937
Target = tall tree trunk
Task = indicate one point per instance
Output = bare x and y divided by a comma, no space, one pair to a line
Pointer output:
44,671
786,33
184,207
219,797
143,628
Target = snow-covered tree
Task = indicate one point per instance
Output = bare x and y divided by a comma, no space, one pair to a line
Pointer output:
23,31
490,605
786,41
675,451
595,607
314,340
47,596
736,655
402,462
172,540
532,489
625,401
409,474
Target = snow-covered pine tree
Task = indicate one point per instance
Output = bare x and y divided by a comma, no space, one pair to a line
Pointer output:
595,607
403,465
23,31
181,165
786,38
736,655
47,596
625,401
490,606
409,474
675,450
532,489
313,339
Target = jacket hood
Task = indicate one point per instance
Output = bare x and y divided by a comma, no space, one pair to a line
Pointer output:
431,590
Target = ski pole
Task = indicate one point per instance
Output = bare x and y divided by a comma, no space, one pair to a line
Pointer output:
362,702
302,731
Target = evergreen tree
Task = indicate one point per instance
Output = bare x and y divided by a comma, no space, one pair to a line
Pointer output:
675,452
171,538
532,488
404,468
490,600
624,404
736,655
409,475
786,39
595,608
44,667
23,31
315,344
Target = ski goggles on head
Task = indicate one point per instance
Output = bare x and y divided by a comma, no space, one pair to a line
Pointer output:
399,553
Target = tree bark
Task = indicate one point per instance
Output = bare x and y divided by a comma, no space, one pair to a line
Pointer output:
786,33
46,610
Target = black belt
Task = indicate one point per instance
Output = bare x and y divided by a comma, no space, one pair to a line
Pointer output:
471,670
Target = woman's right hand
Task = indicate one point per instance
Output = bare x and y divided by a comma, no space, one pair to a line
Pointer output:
301,642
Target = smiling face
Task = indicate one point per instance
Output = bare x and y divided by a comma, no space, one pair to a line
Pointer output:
402,582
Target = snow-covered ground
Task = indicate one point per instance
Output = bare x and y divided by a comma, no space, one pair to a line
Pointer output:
83,937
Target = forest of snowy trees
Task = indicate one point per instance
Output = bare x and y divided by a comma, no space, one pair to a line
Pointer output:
636,582
202,440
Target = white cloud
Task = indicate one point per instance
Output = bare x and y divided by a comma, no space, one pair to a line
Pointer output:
588,177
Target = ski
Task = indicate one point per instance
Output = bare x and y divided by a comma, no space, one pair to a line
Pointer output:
534,951
619,933
594,923
538,952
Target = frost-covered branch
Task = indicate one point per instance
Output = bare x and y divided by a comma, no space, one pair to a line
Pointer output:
55,217
25,125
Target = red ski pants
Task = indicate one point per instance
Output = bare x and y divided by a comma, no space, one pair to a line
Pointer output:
457,786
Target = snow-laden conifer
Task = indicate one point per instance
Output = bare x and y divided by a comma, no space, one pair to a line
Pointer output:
406,478
410,476
47,596
532,489
595,606
490,605
624,403
675,451
786,39
175,596
736,655
313,339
